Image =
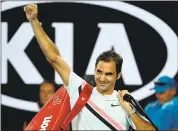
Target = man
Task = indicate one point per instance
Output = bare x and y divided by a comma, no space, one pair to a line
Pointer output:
104,100
164,111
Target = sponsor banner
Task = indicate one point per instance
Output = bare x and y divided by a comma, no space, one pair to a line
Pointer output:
144,36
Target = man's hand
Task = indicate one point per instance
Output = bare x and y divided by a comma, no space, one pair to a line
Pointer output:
126,105
31,11
139,122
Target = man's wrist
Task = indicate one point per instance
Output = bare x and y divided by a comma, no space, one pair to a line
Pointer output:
32,21
131,112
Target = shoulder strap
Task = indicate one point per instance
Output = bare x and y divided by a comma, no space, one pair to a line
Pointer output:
102,116
80,103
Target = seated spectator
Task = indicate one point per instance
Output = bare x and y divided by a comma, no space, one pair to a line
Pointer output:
46,91
164,111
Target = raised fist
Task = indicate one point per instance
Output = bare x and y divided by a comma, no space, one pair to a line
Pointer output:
31,11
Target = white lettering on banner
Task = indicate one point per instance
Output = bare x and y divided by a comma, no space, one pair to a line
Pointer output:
114,35
108,36
13,51
64,41
45,123
166,33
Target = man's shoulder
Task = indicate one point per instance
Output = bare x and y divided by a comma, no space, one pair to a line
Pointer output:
171,105
75,81
75,77
151,105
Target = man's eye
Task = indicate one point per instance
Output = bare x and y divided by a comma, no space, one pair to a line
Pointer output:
98,71
109,74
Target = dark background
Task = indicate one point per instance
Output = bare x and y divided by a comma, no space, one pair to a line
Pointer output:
150,56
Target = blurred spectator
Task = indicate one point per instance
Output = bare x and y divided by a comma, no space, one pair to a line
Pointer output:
46,91
164,111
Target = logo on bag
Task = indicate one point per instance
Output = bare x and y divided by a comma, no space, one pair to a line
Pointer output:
83,98
56,100
45,123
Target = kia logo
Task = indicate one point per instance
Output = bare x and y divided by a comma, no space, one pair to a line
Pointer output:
169,37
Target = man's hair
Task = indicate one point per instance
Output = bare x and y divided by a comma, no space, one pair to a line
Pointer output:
50,82
108,56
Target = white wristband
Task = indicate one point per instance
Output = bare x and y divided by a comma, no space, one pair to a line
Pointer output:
132,112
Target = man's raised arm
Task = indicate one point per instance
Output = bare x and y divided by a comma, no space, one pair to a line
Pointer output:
47,46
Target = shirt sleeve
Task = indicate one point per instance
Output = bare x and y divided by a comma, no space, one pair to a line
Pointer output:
75,82
148,110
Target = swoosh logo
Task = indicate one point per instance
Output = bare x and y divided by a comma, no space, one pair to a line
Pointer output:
113,105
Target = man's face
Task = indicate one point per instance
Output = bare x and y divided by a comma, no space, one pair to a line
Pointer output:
165,96
105,76
46,92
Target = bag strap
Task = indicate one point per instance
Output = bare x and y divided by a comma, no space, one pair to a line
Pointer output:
80,103
102,116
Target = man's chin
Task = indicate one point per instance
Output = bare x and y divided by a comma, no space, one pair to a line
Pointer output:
161,102
103,88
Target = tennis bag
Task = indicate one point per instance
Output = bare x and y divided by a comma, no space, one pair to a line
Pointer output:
56,114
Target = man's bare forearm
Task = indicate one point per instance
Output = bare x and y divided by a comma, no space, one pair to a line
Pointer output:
140,123
48,47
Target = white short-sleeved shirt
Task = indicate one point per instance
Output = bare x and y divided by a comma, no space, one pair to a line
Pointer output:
86,120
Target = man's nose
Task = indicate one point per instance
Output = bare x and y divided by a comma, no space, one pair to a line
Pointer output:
45,94
102,77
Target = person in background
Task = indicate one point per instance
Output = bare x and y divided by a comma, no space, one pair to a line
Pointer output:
46,91
164,111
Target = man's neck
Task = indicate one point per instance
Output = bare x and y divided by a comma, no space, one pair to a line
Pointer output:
108,92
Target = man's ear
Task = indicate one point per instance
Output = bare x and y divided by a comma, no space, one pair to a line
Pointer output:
118,76
173,91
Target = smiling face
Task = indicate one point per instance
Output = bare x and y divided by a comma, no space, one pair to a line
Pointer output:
105,77
107,70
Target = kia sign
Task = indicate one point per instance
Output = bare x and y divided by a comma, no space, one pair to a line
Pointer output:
82,30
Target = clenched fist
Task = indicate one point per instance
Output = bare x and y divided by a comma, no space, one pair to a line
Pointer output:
31,11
